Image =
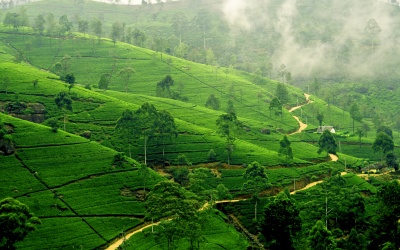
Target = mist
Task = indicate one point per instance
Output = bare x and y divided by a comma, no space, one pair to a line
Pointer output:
342,43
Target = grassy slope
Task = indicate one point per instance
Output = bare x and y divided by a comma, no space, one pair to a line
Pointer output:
98,112
92,111
49,172
218,235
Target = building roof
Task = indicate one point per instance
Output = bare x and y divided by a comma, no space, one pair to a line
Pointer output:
321,129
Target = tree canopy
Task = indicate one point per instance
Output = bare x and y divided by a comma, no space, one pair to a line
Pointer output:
16,221
327,143
281,222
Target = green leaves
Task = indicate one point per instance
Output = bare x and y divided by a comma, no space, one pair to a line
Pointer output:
383,143
63,101
15,222
327,143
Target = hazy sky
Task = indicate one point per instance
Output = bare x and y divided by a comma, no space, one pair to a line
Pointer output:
306,59
132,2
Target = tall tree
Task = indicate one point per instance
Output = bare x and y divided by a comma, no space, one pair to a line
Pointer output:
126,127
97,28
386,130
276,105
359,133
170,203
16,221
70,79
63,102
327,143
38,25
372,30
281,222
146,116
164,129
228,125
164,86
391,160
62,67
23,17
320,118
213,102
282,93
179,23
256,180
50,24
65,24
202,21
320,238
383,143
285,149
104,81
116,31
365,128
126,74
83,27
355,114
390,196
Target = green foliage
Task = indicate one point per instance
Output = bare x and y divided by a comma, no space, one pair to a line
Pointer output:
320,238
211,156
104,81
183,160
281,222
256,180
383,143
285,149
181,175
386,130
16,221
327,143
213,102
53,124
119,159
281,93
228,125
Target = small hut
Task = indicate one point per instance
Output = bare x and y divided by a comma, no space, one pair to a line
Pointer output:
321,129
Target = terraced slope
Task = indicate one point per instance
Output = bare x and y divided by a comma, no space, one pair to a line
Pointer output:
72,185
98,111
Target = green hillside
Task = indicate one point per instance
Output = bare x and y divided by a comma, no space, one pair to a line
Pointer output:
92,108
72,185
73,178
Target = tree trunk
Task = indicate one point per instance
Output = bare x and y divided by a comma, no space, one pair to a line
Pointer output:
145,149
255,211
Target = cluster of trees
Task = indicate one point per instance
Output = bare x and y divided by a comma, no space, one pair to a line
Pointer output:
16,221
164,89
181,212
146,123
7,145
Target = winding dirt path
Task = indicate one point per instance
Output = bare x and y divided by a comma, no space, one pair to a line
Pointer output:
302,126
334,157
119,241
312,184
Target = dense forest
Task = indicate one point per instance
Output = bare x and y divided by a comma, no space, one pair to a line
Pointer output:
199,125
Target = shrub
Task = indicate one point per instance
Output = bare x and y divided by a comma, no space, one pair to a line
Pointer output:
181,175
53,124
87,134
212,156
119,159
314,178
183,160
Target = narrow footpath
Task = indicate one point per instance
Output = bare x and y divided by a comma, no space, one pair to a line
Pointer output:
119,241
302,126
